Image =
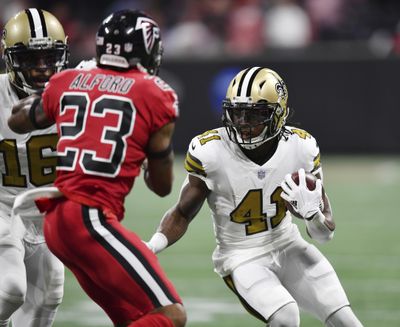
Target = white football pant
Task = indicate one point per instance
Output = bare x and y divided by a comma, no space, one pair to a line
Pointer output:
274,287
31,281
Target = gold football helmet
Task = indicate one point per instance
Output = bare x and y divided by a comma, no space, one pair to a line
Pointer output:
255,108
34,47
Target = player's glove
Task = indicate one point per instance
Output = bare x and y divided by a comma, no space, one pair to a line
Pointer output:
304,201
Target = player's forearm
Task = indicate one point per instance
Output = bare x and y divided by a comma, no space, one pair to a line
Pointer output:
320,227
28,115
19,122
329,221
172,227
158,175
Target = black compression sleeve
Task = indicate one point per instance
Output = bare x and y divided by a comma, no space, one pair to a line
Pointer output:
160,154
32,113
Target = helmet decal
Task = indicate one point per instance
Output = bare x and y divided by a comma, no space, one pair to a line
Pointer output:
151,32
281,89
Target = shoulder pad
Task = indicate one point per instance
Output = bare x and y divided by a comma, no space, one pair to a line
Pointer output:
202,153
301,133
309,147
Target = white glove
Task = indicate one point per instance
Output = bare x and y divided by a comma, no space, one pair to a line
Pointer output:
304,201
157,243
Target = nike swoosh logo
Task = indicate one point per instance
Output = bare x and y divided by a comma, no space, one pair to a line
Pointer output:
193,146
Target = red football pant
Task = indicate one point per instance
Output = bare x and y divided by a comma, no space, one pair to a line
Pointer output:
153,320
111,263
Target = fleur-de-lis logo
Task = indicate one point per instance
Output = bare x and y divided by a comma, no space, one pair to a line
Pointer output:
280,88
151,32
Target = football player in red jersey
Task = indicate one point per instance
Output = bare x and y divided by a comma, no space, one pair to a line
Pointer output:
110,118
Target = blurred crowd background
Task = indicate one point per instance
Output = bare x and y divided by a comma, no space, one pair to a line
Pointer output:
237,28
339,58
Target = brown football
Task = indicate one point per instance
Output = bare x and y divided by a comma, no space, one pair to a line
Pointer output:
310,181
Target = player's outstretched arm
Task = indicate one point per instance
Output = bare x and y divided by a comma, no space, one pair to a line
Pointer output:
158,169
176,220
28,115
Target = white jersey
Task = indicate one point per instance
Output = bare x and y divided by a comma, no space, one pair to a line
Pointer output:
249,216
27,160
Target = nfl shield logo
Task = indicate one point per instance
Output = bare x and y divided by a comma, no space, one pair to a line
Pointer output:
261,174
128,47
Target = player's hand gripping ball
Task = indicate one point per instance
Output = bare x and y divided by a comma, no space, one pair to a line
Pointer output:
310,184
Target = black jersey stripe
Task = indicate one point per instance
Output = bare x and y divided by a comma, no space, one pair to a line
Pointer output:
128,267
31,23
195,161
192,169
248,92
139,256
118,256
43,21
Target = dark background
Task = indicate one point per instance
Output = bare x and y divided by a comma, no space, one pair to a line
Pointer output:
342,70
350,106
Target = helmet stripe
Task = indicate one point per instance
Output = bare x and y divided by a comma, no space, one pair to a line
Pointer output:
36,22
241,82
31,23
248,92
43,22
245,81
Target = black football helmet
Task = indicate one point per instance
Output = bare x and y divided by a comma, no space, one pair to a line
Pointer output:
129,38
256,100
34,47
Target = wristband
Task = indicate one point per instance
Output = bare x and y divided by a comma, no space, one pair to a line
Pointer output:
158,242
317,229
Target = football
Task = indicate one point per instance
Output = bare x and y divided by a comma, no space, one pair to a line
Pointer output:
310,181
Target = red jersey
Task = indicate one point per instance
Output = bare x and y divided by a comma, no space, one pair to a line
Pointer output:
104,120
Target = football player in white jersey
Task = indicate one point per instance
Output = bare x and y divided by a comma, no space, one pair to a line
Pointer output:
31,278
244,171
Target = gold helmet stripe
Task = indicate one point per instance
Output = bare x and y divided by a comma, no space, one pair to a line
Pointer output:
37,23
246,81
